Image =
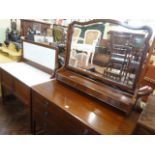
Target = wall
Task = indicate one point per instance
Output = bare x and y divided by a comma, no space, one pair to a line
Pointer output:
4,24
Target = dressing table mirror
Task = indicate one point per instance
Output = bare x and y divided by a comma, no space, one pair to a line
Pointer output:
105,58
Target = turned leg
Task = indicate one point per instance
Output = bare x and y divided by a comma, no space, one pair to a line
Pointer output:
32,120
33,127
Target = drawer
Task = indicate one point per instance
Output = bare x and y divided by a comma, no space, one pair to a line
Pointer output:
55,120
39,104
73,126
22,91
7,80
46,114
39,107
68,124
53,128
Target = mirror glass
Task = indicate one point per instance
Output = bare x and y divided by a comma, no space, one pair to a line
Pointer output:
107,51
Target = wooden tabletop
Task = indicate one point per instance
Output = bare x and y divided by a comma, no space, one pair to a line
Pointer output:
93,113
147,118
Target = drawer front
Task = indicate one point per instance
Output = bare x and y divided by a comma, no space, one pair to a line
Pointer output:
68,124
55,120
7,80
22,91
73,126
43,117
39,107
39,104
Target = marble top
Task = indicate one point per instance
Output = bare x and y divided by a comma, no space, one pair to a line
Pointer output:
27,74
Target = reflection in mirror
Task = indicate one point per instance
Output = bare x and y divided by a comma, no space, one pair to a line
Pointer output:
107,51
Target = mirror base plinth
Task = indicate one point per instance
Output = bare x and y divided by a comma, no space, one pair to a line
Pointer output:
102,92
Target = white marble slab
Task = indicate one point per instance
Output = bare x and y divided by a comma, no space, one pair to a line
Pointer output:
27,74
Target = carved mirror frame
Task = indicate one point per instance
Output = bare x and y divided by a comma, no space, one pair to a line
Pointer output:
105,80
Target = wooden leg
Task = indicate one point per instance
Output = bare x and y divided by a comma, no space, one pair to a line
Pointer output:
32,121
33,127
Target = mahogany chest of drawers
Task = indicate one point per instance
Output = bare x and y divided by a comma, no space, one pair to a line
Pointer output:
59,109
54,120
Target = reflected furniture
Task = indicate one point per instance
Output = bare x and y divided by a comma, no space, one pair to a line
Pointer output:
59,33
43,39
124,49
61,110
40,27
85,48
76,35
59,39
113,77
38,65
146,121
